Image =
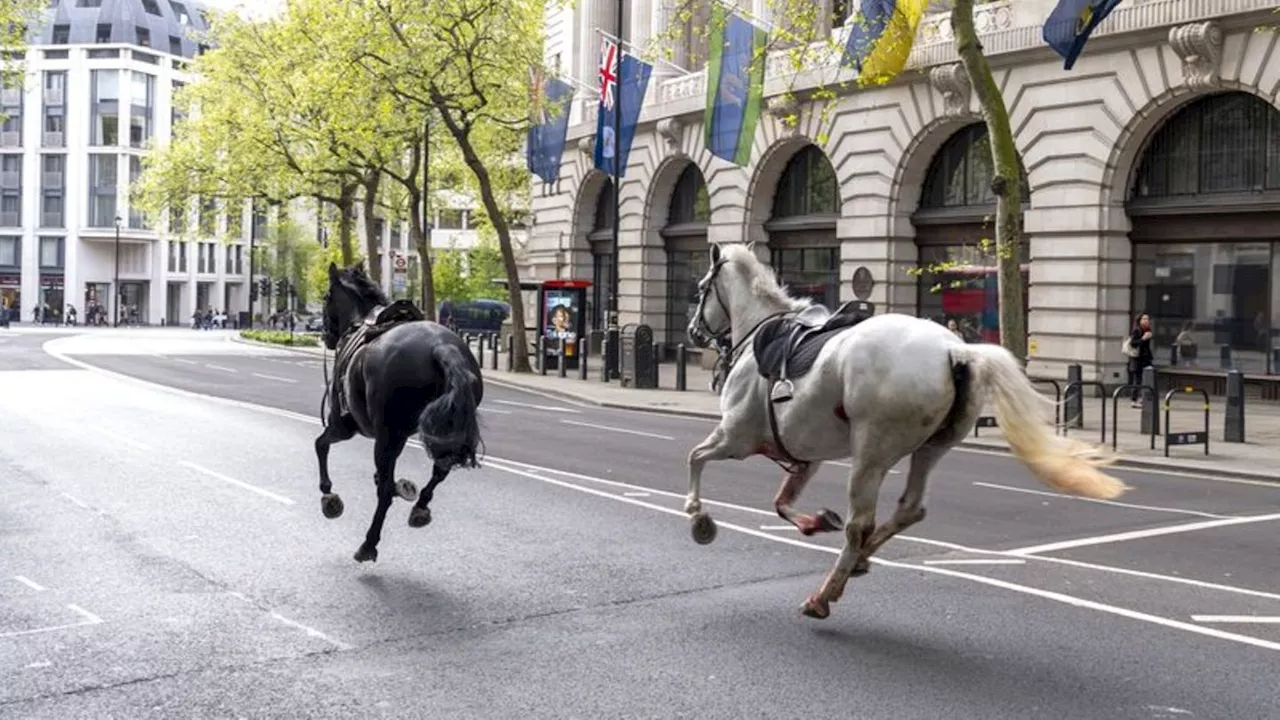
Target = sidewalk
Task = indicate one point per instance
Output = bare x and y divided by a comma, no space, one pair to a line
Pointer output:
1256,459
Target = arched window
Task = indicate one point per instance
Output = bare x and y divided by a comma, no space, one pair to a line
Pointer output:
955,232
601,239
685,235
802,231
1205,253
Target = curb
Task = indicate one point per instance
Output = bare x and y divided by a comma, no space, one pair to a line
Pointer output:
301,350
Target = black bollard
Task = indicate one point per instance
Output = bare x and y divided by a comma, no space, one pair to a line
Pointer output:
493,357
1173,355
511,353
604,358
541,349
1224,356
1150,410
584,347
480,350
562,368
682,373
1233,423
1074,407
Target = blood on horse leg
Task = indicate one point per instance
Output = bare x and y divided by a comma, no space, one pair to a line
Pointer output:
792,485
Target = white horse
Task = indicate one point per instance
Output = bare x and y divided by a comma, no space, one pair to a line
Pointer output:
891,385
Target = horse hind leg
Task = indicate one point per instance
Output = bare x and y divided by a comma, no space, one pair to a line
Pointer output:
338,430
910,508
420,515
864,490
386,450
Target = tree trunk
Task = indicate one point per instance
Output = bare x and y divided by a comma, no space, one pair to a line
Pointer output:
461,135
372,240
417,233
1006,182
346,202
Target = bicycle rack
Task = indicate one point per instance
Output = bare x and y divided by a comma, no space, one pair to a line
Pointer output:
1102,391
1057,399
1115,419
1186,438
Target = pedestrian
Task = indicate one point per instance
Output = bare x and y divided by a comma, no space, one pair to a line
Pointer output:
1138,347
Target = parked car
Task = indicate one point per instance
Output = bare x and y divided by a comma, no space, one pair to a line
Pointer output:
474,315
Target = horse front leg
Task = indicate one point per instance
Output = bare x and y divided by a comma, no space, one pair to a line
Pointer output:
338,430
386,449
792,485
420,515
715,447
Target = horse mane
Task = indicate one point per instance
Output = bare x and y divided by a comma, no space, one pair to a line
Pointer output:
355,280
760,278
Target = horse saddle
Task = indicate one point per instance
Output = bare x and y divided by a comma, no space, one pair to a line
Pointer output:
786,348
375,325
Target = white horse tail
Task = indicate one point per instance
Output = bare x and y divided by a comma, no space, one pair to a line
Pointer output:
1057,461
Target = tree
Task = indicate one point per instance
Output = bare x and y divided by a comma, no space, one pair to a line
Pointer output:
1006,183
467,62
16,18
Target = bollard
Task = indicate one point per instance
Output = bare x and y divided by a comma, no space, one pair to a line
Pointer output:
604,358
542,356
1074,408
511,353
1173,355
584,348
682,376
480,350
1224,356
493,356
561,366
657,365
1150,422
1233,423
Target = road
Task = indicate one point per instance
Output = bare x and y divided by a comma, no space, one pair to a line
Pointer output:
162,554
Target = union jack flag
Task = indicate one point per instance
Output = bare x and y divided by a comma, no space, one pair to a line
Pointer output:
608,72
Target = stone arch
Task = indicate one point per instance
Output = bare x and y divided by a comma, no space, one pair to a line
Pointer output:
917,157
1200,194
590,250
764,184
954,223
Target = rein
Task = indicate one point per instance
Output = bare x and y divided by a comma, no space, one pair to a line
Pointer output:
347,345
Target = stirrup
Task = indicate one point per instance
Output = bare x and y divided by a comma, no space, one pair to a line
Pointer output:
782,391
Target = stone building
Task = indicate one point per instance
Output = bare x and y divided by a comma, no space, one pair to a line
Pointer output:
1153,168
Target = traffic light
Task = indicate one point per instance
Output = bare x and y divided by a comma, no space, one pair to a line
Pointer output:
264,286
282,287
253,292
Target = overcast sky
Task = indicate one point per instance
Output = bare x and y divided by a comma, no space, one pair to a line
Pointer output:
254,8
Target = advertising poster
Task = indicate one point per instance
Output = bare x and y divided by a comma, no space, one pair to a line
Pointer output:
561,318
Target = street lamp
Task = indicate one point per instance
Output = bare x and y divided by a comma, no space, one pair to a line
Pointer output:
115,286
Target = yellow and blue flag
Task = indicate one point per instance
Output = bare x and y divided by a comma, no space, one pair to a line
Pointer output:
881,39
1070,25
735,85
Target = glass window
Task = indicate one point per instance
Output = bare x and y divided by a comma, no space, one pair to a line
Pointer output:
10,251
137,218
812,272
106,108
103,178
808,186
51,252
1214,301
689,201
685,267
601,284
142,102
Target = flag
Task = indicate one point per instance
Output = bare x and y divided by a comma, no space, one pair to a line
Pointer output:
623,81
1070,25
881,38
735,86
545,141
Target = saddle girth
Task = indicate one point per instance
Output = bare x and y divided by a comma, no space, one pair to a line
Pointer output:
359,336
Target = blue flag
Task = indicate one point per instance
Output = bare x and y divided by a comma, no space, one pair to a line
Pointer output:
1071,23
631,82
545,144
735,85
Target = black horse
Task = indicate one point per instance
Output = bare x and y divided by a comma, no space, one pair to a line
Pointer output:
395,374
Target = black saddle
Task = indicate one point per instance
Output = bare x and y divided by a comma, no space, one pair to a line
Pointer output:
786,347
391,316
397,313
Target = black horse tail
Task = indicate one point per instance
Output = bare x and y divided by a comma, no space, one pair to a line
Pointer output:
449,426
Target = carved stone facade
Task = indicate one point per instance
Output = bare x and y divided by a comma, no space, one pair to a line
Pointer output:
1081,134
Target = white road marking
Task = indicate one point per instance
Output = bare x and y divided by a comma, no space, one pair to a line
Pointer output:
842,463
29,583
180,360
1243,619
551,408
777,527
274,378
75,501
610,428
308,420
635,494
310,631
1142,534
124,439
992,582
89,619
987,561
219,367
230,480
1153,508
496,411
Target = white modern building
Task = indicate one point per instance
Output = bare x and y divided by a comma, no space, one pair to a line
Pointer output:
1153,168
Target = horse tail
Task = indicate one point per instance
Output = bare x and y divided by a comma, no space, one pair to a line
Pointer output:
449,426
1059,462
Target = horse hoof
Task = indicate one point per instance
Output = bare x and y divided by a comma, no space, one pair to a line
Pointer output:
366,554
407,490
419,517
860,568
829,521
703,529
815,608
331,505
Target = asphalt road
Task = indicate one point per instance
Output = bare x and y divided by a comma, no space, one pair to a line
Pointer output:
163,555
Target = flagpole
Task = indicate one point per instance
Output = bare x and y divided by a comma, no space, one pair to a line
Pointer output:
633,46
612,332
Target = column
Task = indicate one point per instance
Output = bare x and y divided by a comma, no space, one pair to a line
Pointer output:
1079,296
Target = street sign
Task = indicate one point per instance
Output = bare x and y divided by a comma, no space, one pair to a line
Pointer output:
400,262
399,282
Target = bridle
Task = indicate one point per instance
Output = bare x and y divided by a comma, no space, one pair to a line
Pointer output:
701,332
